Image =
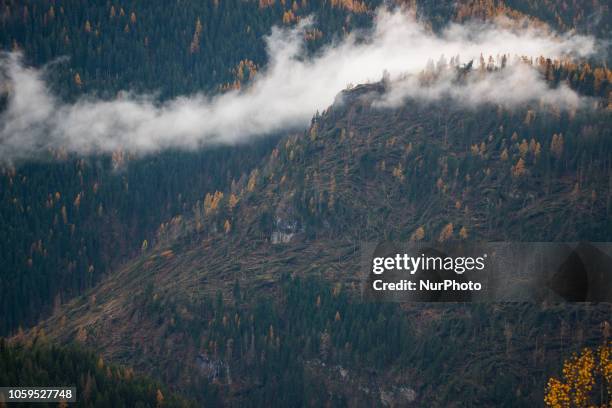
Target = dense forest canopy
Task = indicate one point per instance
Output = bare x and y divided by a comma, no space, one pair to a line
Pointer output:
97,383
171,47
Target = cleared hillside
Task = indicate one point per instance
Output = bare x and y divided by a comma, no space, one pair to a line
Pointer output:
232,294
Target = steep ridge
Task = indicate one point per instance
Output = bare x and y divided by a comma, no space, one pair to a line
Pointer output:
188,310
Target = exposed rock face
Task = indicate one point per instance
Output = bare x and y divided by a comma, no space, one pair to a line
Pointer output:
284,232
210,368
397,396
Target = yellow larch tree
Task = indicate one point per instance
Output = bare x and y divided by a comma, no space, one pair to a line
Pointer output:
586,380
253,180
518,169
446,233
233,201
523,148
504,155
418,234
556,145
159,397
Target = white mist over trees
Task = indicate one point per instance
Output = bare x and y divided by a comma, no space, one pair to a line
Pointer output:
285,95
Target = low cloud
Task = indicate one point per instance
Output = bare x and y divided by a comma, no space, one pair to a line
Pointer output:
516,84
284,95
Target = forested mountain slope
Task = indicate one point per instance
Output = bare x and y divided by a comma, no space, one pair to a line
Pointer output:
170,47
232,274
234,288
66,223
176,47
67,220
97,383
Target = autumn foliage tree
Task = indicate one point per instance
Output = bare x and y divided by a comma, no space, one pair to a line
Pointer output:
586,380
